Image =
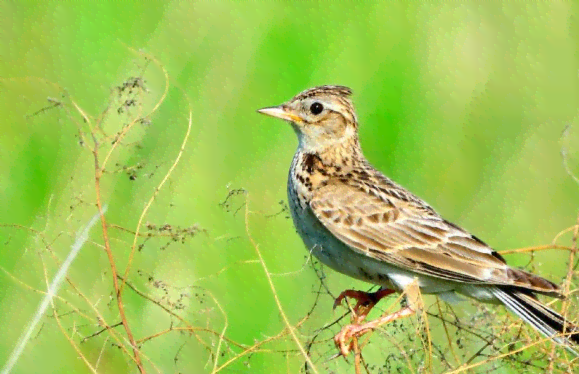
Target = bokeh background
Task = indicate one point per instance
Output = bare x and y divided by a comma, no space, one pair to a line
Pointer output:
468,106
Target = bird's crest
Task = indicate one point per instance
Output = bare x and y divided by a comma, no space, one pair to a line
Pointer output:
324,90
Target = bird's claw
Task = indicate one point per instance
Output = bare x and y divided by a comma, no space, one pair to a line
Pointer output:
344,340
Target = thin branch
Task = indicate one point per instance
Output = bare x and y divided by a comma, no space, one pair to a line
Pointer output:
153,197
106,328
57,318
272,287
109,252
51,292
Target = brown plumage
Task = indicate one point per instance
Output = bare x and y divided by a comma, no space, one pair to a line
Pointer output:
362,224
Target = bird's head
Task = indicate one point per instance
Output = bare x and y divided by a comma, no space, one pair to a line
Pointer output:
321,117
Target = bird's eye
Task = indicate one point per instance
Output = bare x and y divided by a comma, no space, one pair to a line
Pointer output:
316,108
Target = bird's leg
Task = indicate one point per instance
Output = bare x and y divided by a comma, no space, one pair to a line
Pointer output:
344,338
365,301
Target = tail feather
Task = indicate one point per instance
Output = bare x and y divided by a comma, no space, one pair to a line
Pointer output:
546,321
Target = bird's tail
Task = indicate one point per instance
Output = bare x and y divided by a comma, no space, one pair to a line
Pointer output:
546,321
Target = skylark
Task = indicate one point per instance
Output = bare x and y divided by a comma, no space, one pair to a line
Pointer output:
360,223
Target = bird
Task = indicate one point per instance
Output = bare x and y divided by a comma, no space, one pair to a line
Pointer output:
359,222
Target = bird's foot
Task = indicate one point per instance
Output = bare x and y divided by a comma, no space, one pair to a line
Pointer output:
365,301
344,340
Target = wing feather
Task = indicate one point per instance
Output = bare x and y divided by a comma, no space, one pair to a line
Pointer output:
409,234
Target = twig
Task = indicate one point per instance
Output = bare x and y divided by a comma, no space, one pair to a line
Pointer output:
100,331
96,365
169,311
109,252
255,347
536,248
357,356
272,287
51,292
57,318
155,193
446,332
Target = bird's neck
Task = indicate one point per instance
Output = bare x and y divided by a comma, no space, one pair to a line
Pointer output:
343,153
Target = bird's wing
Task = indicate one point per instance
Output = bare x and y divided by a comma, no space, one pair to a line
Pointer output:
401,230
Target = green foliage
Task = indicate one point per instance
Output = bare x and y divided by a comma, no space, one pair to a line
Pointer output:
467,106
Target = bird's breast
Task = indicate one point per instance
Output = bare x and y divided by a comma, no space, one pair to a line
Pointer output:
319,241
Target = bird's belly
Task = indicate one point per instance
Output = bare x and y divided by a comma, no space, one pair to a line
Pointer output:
325,247
334,253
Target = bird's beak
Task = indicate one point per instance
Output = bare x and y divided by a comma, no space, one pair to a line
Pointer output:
282,112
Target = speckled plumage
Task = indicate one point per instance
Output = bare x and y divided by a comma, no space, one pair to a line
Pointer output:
362,224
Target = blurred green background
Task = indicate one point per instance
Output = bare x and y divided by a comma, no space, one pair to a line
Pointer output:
464,105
